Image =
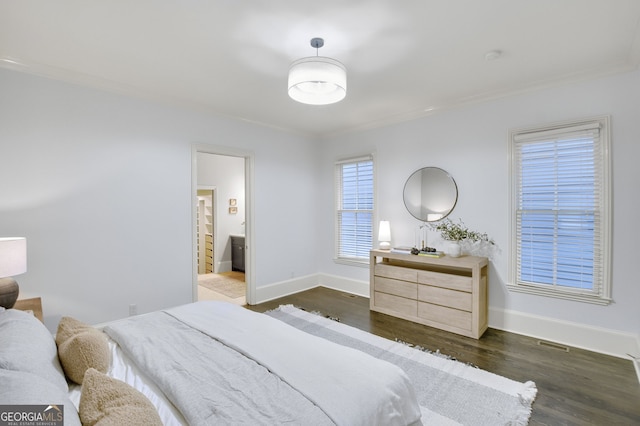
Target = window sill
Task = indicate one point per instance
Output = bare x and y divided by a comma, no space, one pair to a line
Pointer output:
364,263
567,295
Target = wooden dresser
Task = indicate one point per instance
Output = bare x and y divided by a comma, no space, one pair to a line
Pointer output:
447,293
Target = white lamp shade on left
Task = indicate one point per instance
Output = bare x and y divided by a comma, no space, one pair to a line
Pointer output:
384,235
13,261
13,256
317,80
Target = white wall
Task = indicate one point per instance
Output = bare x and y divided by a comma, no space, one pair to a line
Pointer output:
100,185
471,143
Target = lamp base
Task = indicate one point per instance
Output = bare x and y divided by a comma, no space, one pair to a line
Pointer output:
385,245
8,292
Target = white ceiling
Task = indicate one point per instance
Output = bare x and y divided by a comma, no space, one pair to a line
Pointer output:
405,59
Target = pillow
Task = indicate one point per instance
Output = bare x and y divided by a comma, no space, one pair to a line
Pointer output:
107,401
80,347
27,345
23,388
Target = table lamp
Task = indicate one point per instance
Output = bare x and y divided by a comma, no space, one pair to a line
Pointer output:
384,235
13,261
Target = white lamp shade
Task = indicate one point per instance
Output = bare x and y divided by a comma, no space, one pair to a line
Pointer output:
13,256
317,80
384,234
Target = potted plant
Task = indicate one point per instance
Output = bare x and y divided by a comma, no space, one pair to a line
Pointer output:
456,233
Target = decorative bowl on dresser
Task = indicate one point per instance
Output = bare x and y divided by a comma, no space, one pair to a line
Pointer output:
447,293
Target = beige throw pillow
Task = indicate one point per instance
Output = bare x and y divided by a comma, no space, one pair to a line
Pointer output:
106,401
81,347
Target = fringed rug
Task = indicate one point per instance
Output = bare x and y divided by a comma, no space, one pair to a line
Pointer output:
449,392
231,284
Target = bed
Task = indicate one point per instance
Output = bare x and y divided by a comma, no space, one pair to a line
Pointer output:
198,364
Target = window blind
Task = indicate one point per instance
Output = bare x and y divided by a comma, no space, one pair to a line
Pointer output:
354,210
560,207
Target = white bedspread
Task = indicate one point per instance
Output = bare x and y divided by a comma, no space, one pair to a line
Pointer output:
208,382
215,360
351,387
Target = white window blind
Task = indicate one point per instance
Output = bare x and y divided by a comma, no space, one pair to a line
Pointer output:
354,180
560,211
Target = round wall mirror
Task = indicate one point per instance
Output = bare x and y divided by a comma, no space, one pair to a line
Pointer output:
430,194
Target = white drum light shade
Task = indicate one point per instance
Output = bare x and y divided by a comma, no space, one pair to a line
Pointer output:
13,261
317,80
13,256
384,235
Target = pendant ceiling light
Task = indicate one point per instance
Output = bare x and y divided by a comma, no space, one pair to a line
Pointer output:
317,80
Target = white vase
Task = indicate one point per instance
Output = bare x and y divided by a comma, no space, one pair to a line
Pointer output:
454,249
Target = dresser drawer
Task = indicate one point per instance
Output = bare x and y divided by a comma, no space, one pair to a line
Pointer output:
443,315
447,293
438,279
445,297
396,287
396,272
397,304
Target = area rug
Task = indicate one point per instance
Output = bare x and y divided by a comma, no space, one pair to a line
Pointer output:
231,284
449,392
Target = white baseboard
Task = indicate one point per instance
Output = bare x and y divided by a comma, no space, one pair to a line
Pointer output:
359,288
224,266
296,285
596,339
286,288
636,360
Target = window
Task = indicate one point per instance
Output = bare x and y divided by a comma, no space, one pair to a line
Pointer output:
561,211
354,209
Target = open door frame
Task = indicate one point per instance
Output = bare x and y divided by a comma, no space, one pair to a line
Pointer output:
249,216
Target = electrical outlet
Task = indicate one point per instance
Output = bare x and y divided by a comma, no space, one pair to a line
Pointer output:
133,309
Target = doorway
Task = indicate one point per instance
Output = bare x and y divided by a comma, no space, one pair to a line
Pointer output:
222,261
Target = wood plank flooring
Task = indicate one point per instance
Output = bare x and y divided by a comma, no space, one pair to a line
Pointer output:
577,387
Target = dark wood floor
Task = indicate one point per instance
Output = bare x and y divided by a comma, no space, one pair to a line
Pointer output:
577,387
